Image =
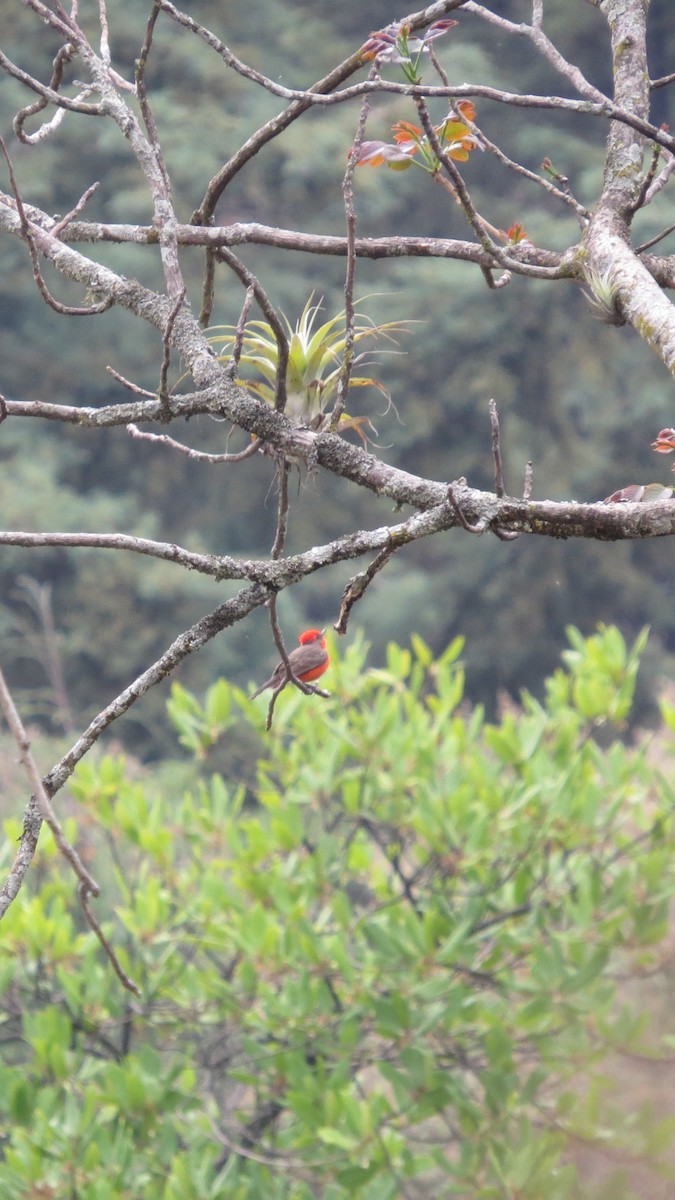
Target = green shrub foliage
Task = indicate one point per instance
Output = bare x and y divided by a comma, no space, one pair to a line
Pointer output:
394,965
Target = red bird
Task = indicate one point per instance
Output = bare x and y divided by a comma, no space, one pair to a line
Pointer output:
308,661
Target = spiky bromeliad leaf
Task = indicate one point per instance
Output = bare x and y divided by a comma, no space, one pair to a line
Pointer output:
315,359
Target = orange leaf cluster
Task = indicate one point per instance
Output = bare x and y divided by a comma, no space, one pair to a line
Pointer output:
454,135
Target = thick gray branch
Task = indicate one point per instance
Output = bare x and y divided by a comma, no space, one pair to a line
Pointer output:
218,395
253,234
610,256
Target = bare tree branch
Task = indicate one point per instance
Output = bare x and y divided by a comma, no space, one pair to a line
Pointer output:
323,90
88,885
357,586
197,455
535,34
558,265
275,321
350,217
163,390
192,639
69,310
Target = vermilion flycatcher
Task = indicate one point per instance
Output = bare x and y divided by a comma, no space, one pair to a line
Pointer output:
308,661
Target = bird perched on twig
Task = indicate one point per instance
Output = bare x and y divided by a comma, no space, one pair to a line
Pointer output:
308,662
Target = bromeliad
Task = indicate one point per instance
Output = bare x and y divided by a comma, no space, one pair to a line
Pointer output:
315,361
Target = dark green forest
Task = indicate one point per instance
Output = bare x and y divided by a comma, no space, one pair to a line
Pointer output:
581,400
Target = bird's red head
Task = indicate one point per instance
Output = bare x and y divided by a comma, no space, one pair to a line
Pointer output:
311,635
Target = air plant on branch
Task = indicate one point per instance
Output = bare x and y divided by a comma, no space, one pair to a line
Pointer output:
316,361
602,296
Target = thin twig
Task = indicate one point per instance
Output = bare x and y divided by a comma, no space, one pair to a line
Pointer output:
65,309
384,844
276,1160
197,455
433,58
310,689
478,528
40,599
63,56
562,193
208,288
357,586
648,180
516,167
48,94
496,449
233,365
535,34
24,856
504,535
159,179
69,19
483,229
283,654
282,511
83,893
480,226
653,241
132,387
37,785
661,179
664,81
249,279
277,548
58,229
269,720
326,95
163,391
350,218
564,190
485,232
276,551
105,37
459,187
87,885
226,615
324,89
147,113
